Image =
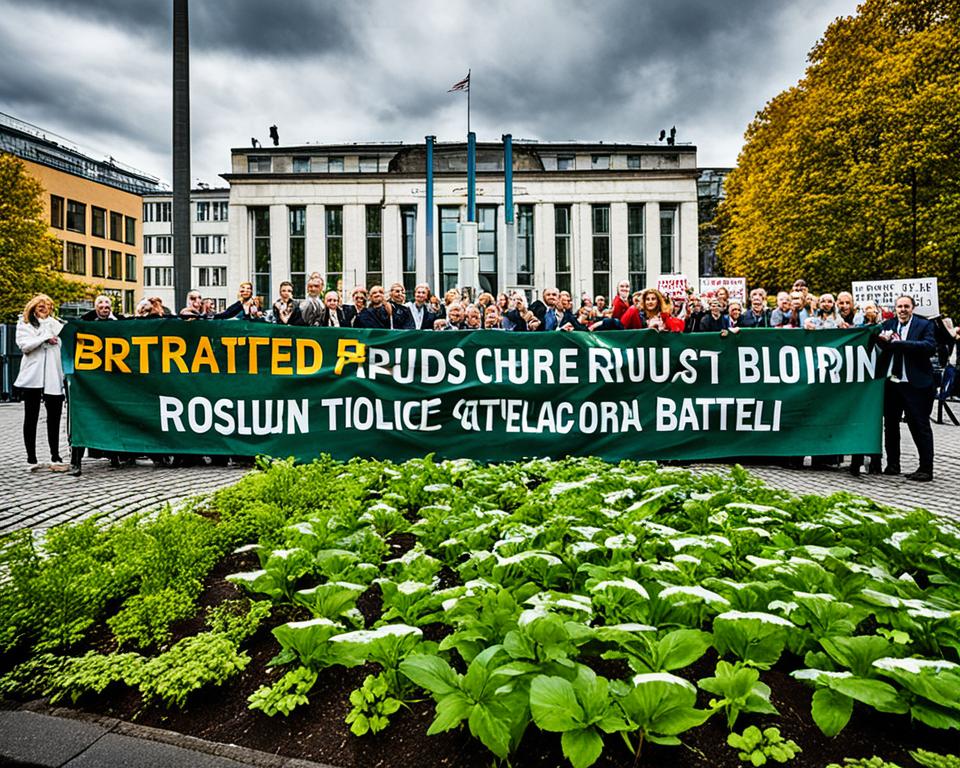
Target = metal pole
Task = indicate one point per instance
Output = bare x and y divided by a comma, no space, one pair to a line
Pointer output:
510,251
431,275
181,152
469,84
471,177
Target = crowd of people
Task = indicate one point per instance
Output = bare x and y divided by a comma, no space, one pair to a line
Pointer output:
907,340
379,307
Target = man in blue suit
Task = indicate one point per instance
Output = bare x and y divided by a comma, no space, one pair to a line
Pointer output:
908,342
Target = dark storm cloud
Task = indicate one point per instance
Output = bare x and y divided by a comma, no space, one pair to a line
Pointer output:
289,28
659,63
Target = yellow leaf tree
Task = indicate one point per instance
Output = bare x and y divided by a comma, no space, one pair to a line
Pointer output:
854,173
29,255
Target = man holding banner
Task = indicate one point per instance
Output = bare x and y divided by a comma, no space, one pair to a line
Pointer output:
909,343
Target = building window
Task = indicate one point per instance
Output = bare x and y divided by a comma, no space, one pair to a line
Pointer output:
525,264
99,262
369,164
261,253
408,247
76,216
374,245
98,222
201,244
158,277
601,250
56,211
116,226
220,208
212,277
128,302
130,230
76,263
334,248
115,271
258,164
566,162
636,250
203,211
668,239
599,163
301,165
633,162
218,243
487,247
147,245
562,238
335,164
449,257
131,268
164,243
298,250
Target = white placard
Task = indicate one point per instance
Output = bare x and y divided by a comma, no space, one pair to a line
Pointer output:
736,287
674,286
885,293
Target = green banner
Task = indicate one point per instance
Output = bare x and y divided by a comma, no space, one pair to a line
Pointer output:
237,388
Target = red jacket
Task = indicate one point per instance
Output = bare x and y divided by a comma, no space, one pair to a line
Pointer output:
632,320
619,307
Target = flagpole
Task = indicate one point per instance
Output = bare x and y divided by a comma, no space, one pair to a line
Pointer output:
468,100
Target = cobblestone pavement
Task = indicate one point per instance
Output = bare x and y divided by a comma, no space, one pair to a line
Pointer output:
39,499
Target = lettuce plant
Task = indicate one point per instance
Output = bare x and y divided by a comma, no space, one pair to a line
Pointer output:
739,689
661,706
581,710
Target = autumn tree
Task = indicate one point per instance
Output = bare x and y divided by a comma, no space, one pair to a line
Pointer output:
29,255
854,173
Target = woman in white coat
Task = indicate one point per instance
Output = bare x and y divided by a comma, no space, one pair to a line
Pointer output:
41,374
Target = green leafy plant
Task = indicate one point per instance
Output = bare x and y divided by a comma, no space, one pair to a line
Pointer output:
386,646
487,697
758,747
372,706
209,658
933,760
661,706
756,638
864,762
739,689
285,695
335,600
145,619
582,710
94,673
646,653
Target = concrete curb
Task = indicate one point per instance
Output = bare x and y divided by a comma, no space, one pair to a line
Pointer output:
38,734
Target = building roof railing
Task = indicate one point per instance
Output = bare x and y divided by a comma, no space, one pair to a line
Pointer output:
30,142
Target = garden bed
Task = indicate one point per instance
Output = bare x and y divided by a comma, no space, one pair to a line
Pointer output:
572,596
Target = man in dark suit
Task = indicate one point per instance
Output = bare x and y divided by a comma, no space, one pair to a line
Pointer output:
332,315
378,313
420,309
540,309
908,341
402,319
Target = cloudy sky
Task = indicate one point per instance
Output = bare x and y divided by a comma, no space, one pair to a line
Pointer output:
99,71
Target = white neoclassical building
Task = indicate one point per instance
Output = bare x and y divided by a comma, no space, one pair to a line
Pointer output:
586,215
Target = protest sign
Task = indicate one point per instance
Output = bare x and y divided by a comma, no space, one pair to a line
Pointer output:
673,286
237,388
736,286
885,293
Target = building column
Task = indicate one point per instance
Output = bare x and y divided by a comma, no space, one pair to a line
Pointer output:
619,267
581,278
279,250
544,245
315,230
390,244
688,242
652,230
354,246
239,258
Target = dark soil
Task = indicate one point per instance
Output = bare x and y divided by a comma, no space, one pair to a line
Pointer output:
318,731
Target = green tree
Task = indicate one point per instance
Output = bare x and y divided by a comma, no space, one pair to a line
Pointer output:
854,173
29,255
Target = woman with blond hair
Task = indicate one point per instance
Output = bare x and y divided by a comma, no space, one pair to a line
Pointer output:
41,374
651,310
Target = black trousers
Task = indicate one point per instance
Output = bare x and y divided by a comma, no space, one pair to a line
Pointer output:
31,416
904,398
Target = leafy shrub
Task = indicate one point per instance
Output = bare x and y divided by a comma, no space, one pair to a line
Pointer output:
758,747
